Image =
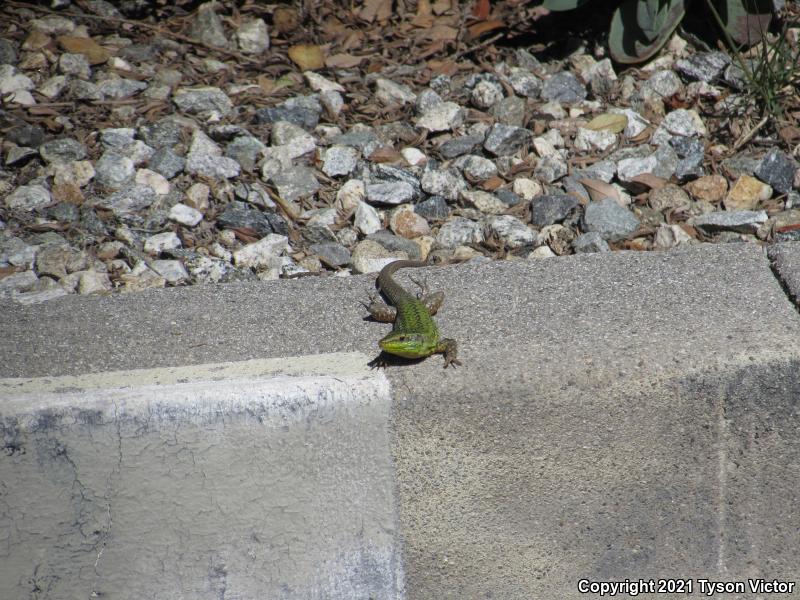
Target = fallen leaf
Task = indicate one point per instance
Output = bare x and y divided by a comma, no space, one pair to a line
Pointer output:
481,10
478,29
492,183
6,271
307,57
372,10
441,6
343,61
650,180
608,122
600,189
94,53
285,19
269,85
385,154
789,134
441,32
424,17
642,137
443,67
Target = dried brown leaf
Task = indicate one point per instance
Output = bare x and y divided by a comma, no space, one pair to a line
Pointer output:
650,180
385,154
94,53
307,57
375,10
481,10
615,123
285,19
478,29
343,61
600,189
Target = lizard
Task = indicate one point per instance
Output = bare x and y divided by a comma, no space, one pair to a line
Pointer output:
415,334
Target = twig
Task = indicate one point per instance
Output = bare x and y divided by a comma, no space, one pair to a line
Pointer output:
746,137
483,44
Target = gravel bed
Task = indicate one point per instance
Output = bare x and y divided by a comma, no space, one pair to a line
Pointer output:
132,160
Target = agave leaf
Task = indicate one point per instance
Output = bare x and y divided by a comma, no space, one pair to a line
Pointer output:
627,40
746,20
561,5
651,16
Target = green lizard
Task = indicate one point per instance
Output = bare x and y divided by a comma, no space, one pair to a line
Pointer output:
415,334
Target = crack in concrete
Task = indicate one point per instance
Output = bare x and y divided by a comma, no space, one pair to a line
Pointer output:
772,258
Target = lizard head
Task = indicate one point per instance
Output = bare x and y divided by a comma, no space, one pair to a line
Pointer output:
407,345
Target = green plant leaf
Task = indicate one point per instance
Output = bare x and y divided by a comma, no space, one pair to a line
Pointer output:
651,16
746,20
562,5
629,42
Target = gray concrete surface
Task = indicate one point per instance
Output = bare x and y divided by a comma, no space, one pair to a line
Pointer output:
786,265
631,415
244,480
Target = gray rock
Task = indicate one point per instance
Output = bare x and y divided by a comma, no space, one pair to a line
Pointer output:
138,53
253,37
365,140
703,66
444,182
524,82
394,192
459,145
75,65
742,221
563,87
433,208
510,231
552,208
161,242
395,243
62,150
166,162
28,198
508,197
691,153
64,212
590,242
17,282
121,88
78,89
510,111
426,100
778,170
18,156
205,158
665,83
339,160
93,282
741,164
550,168
113,170
332,254
442,117
207,26
16,252
129,201
8,52
609,219
238,215
296,183
303,111
25,134
246,150
459,231
202,100
503,140
476,168
166,132
172,270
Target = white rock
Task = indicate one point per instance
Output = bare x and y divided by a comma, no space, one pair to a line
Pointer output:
263,253
367,220
154,180
185,215
159,242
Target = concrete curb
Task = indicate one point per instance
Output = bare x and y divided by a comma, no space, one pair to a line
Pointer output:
250,480
626,416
